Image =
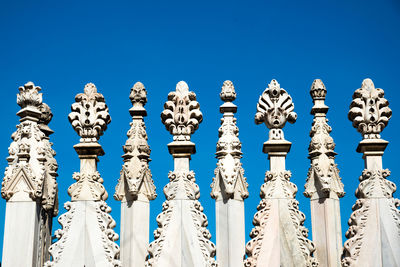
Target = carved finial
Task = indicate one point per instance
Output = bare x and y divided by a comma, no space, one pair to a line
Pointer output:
29,95
228,93
138,95
275,108
229,174
318,90
323,178
89,116
369,110
181,115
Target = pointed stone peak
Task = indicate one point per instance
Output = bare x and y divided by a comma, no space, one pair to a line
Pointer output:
323,180
228,93
369,110
275,108
90,89
229,180
182,88
89,114
181,115
138,95
318,94
368,85
135,176
29,95
318,90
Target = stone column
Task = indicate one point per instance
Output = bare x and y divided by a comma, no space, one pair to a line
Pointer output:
86,238
29,185
135,186
229,187
374,232
279,238
324,186
181,239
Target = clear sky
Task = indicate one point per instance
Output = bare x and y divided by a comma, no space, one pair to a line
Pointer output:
62,45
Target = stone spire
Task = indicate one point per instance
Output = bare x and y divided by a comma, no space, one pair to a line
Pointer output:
374,232
29,185
86,237
181,238
229,187
279,237
324,185
135,186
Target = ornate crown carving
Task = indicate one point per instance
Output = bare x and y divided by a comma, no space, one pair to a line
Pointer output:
29,95
275,108
369,110
181,115
89,116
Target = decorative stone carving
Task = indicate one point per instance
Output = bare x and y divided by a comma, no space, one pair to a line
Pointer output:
29,96
229,169
278,237
182,224
29,183
275,108
32,168
369,110
136,177
181,115
89,116
87,236
374,226
323,175
135,186
324,186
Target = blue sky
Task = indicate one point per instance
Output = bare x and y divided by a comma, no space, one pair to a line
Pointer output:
62,45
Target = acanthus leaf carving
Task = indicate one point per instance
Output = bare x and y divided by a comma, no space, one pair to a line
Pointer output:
369,110
181,115
29,95
89,114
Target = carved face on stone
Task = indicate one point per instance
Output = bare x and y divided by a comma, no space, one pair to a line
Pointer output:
275,118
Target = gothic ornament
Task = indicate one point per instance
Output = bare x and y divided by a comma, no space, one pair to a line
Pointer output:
278,216
89,116
181,115
87,226
136,176
182,220
369,110
275,108
229,169
323,175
